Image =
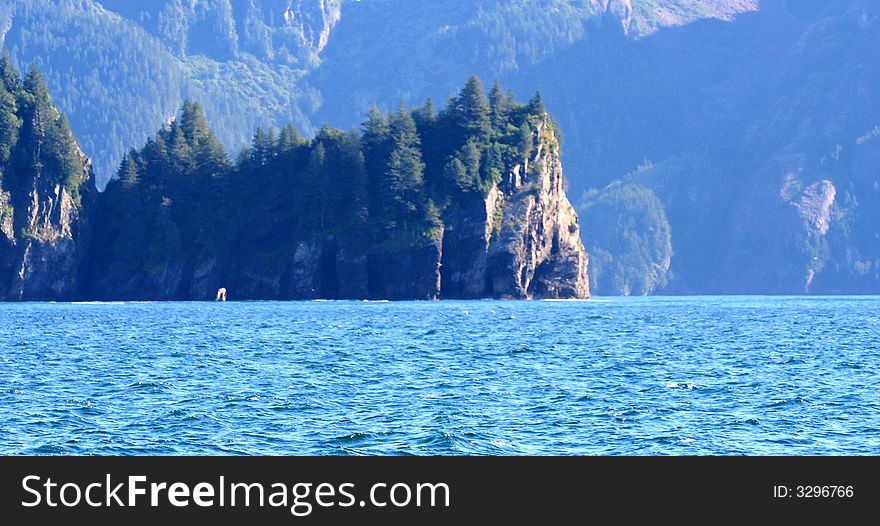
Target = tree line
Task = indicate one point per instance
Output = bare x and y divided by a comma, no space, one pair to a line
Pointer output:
382,187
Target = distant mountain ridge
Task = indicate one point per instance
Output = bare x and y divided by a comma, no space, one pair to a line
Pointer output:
120,69
249,61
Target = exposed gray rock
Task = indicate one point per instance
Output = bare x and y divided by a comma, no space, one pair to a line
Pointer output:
523,241
469,230
41,233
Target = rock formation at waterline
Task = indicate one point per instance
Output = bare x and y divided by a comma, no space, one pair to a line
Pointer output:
465,203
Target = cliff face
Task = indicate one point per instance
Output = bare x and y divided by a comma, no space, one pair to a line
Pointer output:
282,31
41,259
521,241
44,180
468,202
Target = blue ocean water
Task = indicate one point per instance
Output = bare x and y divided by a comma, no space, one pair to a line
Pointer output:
622,376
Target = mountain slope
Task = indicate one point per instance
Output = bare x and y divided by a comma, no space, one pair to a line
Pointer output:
762,159
120,74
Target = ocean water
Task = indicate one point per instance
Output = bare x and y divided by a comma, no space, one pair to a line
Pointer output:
622,376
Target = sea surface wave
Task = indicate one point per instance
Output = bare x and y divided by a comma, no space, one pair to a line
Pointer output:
621,376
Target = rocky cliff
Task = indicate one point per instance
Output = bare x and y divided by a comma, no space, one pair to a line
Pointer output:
40,260
44,181
522,240
519,241
468,202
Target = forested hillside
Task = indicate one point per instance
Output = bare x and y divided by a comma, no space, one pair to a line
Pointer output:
120,69
467,201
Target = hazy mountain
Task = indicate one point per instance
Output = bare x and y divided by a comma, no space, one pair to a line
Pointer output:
719,146
118,68
750,124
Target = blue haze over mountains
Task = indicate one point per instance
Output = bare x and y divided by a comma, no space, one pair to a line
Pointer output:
722,146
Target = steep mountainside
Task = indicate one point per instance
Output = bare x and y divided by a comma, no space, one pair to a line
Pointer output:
245,60
760,152
119,69
377,56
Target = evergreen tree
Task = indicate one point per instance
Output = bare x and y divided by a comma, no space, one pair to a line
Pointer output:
376,133
455,173
472,109
130,205
210,158
425,116
155,156
376,147
244,156
263,148
536,105
499,107
182,162
193,122
129,175
358,208
289,139
8,73
36,120
312,193
10,123
471,157
403,181
491,167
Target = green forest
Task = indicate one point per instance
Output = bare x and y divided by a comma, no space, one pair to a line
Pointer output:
383,188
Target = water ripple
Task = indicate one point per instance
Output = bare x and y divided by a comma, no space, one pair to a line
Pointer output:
656,376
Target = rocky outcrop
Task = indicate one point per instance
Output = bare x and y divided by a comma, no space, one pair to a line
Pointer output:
523,240
466,241
520,239
352,274
306,272
43,227
505,228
